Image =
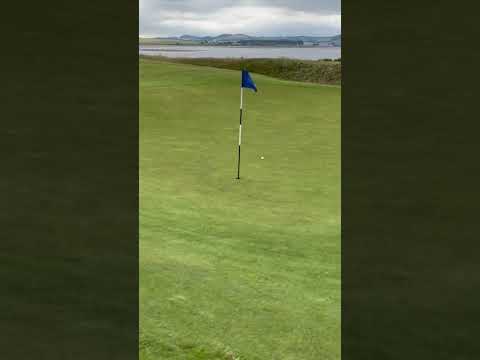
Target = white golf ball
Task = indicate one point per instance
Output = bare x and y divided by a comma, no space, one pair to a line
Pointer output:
262,157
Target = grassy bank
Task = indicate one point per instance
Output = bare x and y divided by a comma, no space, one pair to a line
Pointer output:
321,72
233,269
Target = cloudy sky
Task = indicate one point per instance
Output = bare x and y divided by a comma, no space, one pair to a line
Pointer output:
251,17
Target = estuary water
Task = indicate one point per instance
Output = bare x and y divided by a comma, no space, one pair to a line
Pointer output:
302,53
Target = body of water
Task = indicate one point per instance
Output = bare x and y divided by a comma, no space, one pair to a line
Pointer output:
303,53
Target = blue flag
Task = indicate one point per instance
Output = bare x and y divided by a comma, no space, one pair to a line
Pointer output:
247,81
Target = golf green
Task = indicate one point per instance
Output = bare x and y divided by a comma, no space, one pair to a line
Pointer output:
238,269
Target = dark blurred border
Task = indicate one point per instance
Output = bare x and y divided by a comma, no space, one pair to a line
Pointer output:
69,183
410,176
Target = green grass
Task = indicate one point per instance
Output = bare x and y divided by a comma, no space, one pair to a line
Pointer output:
314,71
231,269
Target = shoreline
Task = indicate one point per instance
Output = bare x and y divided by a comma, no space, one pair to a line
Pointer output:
244,46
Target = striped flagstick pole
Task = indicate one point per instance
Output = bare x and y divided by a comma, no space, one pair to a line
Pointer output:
240,131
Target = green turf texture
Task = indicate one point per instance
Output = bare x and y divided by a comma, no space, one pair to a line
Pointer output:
238,269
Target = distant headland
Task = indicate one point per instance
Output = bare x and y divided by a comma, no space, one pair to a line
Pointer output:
244,40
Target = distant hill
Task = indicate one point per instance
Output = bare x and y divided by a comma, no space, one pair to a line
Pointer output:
242,39
192,38
337,40
167,41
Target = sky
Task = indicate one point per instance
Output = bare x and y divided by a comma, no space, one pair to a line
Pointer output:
251,17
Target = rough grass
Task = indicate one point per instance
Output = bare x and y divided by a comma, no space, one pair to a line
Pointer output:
321,71
232,269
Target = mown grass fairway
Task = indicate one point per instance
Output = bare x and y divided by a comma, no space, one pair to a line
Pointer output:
245,269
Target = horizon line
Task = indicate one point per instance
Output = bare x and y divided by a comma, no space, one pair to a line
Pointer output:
173,36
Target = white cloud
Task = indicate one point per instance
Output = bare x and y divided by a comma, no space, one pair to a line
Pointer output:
254,20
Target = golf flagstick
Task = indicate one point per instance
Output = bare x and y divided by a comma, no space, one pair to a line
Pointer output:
240,131
247,82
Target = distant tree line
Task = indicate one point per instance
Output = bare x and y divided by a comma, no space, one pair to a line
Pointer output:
254,42
271,42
